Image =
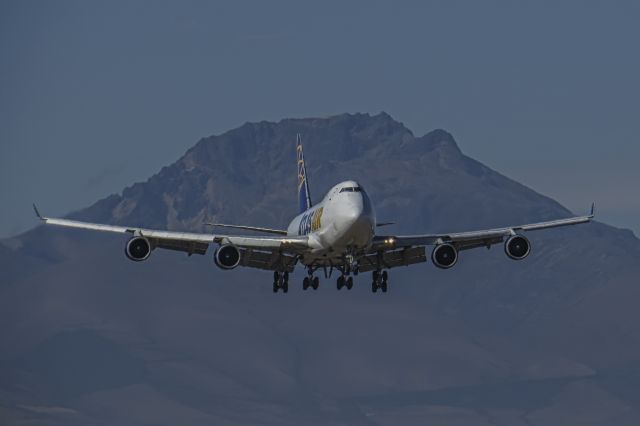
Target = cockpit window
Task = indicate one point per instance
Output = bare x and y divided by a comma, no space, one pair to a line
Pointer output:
351,189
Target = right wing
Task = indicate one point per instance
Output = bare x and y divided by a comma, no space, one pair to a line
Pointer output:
402,250
473,239
258,251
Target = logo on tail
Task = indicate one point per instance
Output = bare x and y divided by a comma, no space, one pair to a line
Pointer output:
303,184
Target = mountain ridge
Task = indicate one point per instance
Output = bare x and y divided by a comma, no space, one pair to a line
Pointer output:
204,345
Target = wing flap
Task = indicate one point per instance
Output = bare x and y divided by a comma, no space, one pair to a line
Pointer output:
190,247
267,260
392,259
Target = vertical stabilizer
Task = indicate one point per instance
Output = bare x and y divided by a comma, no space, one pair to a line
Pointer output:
303,183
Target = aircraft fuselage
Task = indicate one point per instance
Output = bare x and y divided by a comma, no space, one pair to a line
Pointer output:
344,221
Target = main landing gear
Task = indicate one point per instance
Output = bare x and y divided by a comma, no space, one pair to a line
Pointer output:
379,281
280,281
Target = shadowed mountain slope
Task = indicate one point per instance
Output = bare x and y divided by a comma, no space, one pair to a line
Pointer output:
553,339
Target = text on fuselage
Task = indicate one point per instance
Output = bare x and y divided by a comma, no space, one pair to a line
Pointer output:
310,222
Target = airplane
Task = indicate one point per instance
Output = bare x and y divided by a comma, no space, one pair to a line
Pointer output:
336,234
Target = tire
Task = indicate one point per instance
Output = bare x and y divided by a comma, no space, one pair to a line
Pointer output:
285,287
385,276
384,286
374,286
315,283
305,283
275,287
349,283
340,282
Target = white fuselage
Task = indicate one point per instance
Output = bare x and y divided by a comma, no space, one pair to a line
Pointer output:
344,221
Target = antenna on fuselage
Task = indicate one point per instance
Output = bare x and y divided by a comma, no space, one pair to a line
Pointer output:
304,197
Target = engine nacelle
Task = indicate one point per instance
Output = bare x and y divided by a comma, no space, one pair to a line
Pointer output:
138,249
227,257
517,247
444,256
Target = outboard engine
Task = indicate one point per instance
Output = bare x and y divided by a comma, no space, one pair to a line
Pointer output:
227,257
517,247
444,256
138,249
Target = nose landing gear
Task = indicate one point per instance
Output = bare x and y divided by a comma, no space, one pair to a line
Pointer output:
344,281
313,282
379,281
310,280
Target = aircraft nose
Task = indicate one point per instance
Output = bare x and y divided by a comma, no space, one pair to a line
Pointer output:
355,210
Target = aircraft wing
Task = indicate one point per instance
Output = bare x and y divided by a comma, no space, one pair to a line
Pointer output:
472,239
258,251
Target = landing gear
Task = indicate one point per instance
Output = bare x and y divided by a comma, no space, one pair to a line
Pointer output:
310,281
351,264
380,281
280,281
344,281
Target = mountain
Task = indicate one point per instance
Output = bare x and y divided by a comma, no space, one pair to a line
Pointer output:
89,337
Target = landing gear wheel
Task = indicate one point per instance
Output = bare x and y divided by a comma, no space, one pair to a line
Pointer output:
280,281
306,282
380,281
315,283
340,282
349,283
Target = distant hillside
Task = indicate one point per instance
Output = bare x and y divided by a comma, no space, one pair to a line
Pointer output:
89,337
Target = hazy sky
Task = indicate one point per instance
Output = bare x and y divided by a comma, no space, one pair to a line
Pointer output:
97,95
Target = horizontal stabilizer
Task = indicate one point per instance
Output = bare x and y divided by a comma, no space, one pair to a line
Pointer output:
250,228
385,224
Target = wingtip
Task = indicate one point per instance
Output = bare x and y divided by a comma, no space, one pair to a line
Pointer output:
593,209
35,209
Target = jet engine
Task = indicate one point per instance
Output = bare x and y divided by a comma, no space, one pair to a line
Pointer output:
444,256
138,249
517,247
227,257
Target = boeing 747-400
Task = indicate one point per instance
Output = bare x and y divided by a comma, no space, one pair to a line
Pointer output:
336,234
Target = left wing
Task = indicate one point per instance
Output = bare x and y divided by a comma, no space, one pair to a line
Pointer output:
473,239
259,252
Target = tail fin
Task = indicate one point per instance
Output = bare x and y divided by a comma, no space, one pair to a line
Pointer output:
303,184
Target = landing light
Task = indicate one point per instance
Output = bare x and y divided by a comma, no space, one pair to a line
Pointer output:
389,241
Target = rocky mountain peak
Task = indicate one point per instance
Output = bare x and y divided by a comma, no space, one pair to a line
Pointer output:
482,337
